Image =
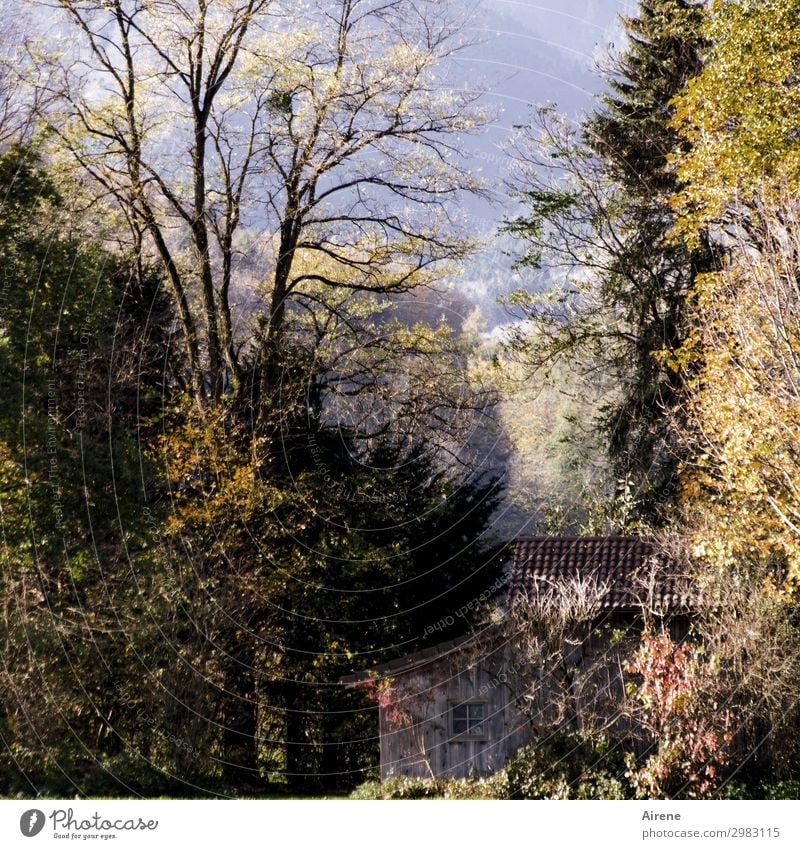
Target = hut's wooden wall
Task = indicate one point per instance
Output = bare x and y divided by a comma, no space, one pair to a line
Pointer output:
428,698
420,719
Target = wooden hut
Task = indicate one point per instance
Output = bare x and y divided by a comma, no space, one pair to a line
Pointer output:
463,707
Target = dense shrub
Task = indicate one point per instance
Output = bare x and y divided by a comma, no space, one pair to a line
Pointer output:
771,790
400,787
562,766
677,694
567,766
489,787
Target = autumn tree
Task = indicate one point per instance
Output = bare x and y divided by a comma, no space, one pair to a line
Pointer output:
257,145
742,410
753,635
19,105
738,177
303,580
689,729
738,173
289,169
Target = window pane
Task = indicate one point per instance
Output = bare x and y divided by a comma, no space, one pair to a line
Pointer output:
476,718
459,726
460,719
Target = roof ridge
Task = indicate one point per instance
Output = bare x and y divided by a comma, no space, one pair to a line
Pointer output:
583,537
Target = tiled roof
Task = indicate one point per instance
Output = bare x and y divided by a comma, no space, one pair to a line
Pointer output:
626,567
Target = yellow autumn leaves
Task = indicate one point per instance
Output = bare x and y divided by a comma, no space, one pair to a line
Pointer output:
740,175
739,116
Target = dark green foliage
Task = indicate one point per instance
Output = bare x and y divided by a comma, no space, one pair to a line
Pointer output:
761,790
631,131
77,371
632,137
400,788
567,766
391,546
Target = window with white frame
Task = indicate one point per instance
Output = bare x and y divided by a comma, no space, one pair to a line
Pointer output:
467,719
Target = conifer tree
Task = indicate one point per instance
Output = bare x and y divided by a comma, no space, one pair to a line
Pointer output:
598,210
